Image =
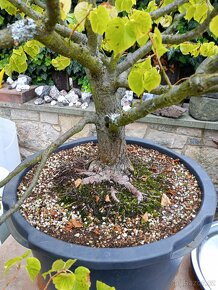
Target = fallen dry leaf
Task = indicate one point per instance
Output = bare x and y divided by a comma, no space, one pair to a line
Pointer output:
96,231
73,224
145,217
78,182
107,198
97,198
144,178
165,201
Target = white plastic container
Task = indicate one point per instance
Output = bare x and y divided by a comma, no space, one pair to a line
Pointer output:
9,150
9,159
3,229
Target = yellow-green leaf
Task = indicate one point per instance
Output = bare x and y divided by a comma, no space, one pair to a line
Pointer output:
33,267
158,48
10,263
124,5
135,81
214,26
58,265
141,22
65,6
103,286
82,281
61,62
32,47
152,79
119,35
64,281
99,19
7,6
81,13
1,76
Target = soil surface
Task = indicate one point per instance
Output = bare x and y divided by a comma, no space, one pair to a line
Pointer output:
90,215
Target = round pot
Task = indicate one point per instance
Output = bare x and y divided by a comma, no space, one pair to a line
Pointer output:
146,267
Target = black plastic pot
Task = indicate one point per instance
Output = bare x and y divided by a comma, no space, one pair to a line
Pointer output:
147,267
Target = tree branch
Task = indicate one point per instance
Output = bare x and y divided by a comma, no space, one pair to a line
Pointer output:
132,58
42,158
72,50
196,85
6,38
167,9
179,38
53,14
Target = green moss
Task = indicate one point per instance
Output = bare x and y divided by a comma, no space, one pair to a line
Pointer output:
92,199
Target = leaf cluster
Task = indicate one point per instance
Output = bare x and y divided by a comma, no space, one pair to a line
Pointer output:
60,273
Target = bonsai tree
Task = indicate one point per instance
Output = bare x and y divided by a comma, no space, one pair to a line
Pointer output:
117,44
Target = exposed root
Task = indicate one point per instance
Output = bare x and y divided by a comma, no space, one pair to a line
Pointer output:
111,176
113,194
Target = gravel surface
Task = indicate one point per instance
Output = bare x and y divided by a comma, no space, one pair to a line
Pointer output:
87,214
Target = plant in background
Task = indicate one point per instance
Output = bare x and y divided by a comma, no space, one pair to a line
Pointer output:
60,274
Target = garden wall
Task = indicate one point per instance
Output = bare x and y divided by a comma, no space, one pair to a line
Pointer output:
37,126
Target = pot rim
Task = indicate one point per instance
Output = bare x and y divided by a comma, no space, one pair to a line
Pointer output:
172,247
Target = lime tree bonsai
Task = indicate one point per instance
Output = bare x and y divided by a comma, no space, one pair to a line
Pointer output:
117,44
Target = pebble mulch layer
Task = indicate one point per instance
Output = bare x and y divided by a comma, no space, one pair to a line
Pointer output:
88,215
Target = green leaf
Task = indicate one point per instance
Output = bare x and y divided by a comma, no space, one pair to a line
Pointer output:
61,62
99,19
58,265
103,286
82,281
158,48
64,281
10,263
69,263
214,26
33,267
142,23
120,35
152,79
7,6
124,5
81,12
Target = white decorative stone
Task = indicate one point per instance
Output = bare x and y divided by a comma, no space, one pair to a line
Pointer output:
9,81
42,91
47,99
147,96
13,85
86,96
63,93
62,99
53,103
24,80
54,93
72,97
20,87
84,105
78,104
127,98
71,104
39,101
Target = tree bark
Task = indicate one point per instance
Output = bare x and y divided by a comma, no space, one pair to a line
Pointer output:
111,143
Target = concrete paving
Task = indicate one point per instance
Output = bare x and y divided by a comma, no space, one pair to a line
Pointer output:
184,280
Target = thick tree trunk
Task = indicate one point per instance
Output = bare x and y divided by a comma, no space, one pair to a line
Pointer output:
111,144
